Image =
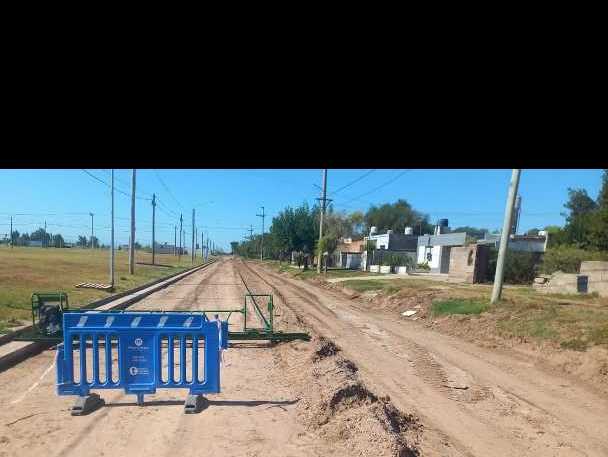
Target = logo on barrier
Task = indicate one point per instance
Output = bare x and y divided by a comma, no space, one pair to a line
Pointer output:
133,371
138,341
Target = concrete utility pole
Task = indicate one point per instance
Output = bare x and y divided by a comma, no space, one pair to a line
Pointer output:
91,214
193,239
11,232
44,243
179,253
263,215
250,232
202,245
132,243
323,200
504,236
175,240
153,233
112,237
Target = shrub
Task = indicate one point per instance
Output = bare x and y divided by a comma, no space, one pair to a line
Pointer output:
423,266
520,267
568,259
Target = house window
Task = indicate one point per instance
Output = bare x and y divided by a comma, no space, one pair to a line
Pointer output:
429,256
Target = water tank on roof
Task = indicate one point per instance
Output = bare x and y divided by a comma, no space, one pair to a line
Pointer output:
409,231
373,230
442,222
389,232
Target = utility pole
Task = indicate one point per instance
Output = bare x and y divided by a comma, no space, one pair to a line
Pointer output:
504,236
11,232
250,232
174,239
91,214
193,235
112,237
323,200
262,247
179,253
132,247
44,237
202,245
153,217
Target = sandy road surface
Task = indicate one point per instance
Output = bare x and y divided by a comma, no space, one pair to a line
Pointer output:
472,401
254,415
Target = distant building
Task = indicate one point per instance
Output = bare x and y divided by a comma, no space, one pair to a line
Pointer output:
522,243
35,243
348,253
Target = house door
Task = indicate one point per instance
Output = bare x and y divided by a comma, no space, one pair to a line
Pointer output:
444,266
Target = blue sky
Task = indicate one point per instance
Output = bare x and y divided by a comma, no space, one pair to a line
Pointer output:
227,201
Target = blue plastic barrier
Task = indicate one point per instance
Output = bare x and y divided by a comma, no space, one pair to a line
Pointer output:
139,339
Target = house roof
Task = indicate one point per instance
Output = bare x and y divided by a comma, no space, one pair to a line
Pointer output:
444,239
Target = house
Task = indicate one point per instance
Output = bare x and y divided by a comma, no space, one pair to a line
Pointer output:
435,250
348,253
35,243
389,244
522,243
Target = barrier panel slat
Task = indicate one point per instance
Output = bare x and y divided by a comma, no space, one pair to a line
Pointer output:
139,338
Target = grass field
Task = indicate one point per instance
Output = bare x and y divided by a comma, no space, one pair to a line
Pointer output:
312,272
26,270
573,321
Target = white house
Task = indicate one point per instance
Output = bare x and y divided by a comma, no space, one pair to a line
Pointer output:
435,250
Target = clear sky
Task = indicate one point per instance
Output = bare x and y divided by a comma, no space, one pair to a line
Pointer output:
227,201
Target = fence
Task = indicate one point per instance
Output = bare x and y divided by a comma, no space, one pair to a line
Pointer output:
138,351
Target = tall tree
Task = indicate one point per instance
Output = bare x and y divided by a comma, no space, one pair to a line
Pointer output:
396,216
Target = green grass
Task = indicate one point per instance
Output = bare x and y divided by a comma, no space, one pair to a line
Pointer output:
389,286
26,270
458,306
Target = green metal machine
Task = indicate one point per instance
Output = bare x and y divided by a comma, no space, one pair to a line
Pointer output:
265,317
48,309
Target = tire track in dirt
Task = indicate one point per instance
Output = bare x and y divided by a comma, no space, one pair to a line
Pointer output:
503,423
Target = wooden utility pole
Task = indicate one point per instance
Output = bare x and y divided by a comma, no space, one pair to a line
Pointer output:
179,253
193,237
263,215
44,243
91,214
153,233
132,240
504,236
323,200
112,237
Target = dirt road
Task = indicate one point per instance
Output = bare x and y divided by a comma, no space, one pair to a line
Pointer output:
447,397
253,416
472,401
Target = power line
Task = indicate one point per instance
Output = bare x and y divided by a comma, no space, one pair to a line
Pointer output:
379,187
352,182
167,188
115,188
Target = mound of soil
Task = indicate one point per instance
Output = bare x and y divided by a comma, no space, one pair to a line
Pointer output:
337,405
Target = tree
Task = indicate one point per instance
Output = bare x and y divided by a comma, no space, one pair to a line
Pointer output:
602,198
396,216
82,241
234,245
58,241
94,242
472,232
579,203
532,232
